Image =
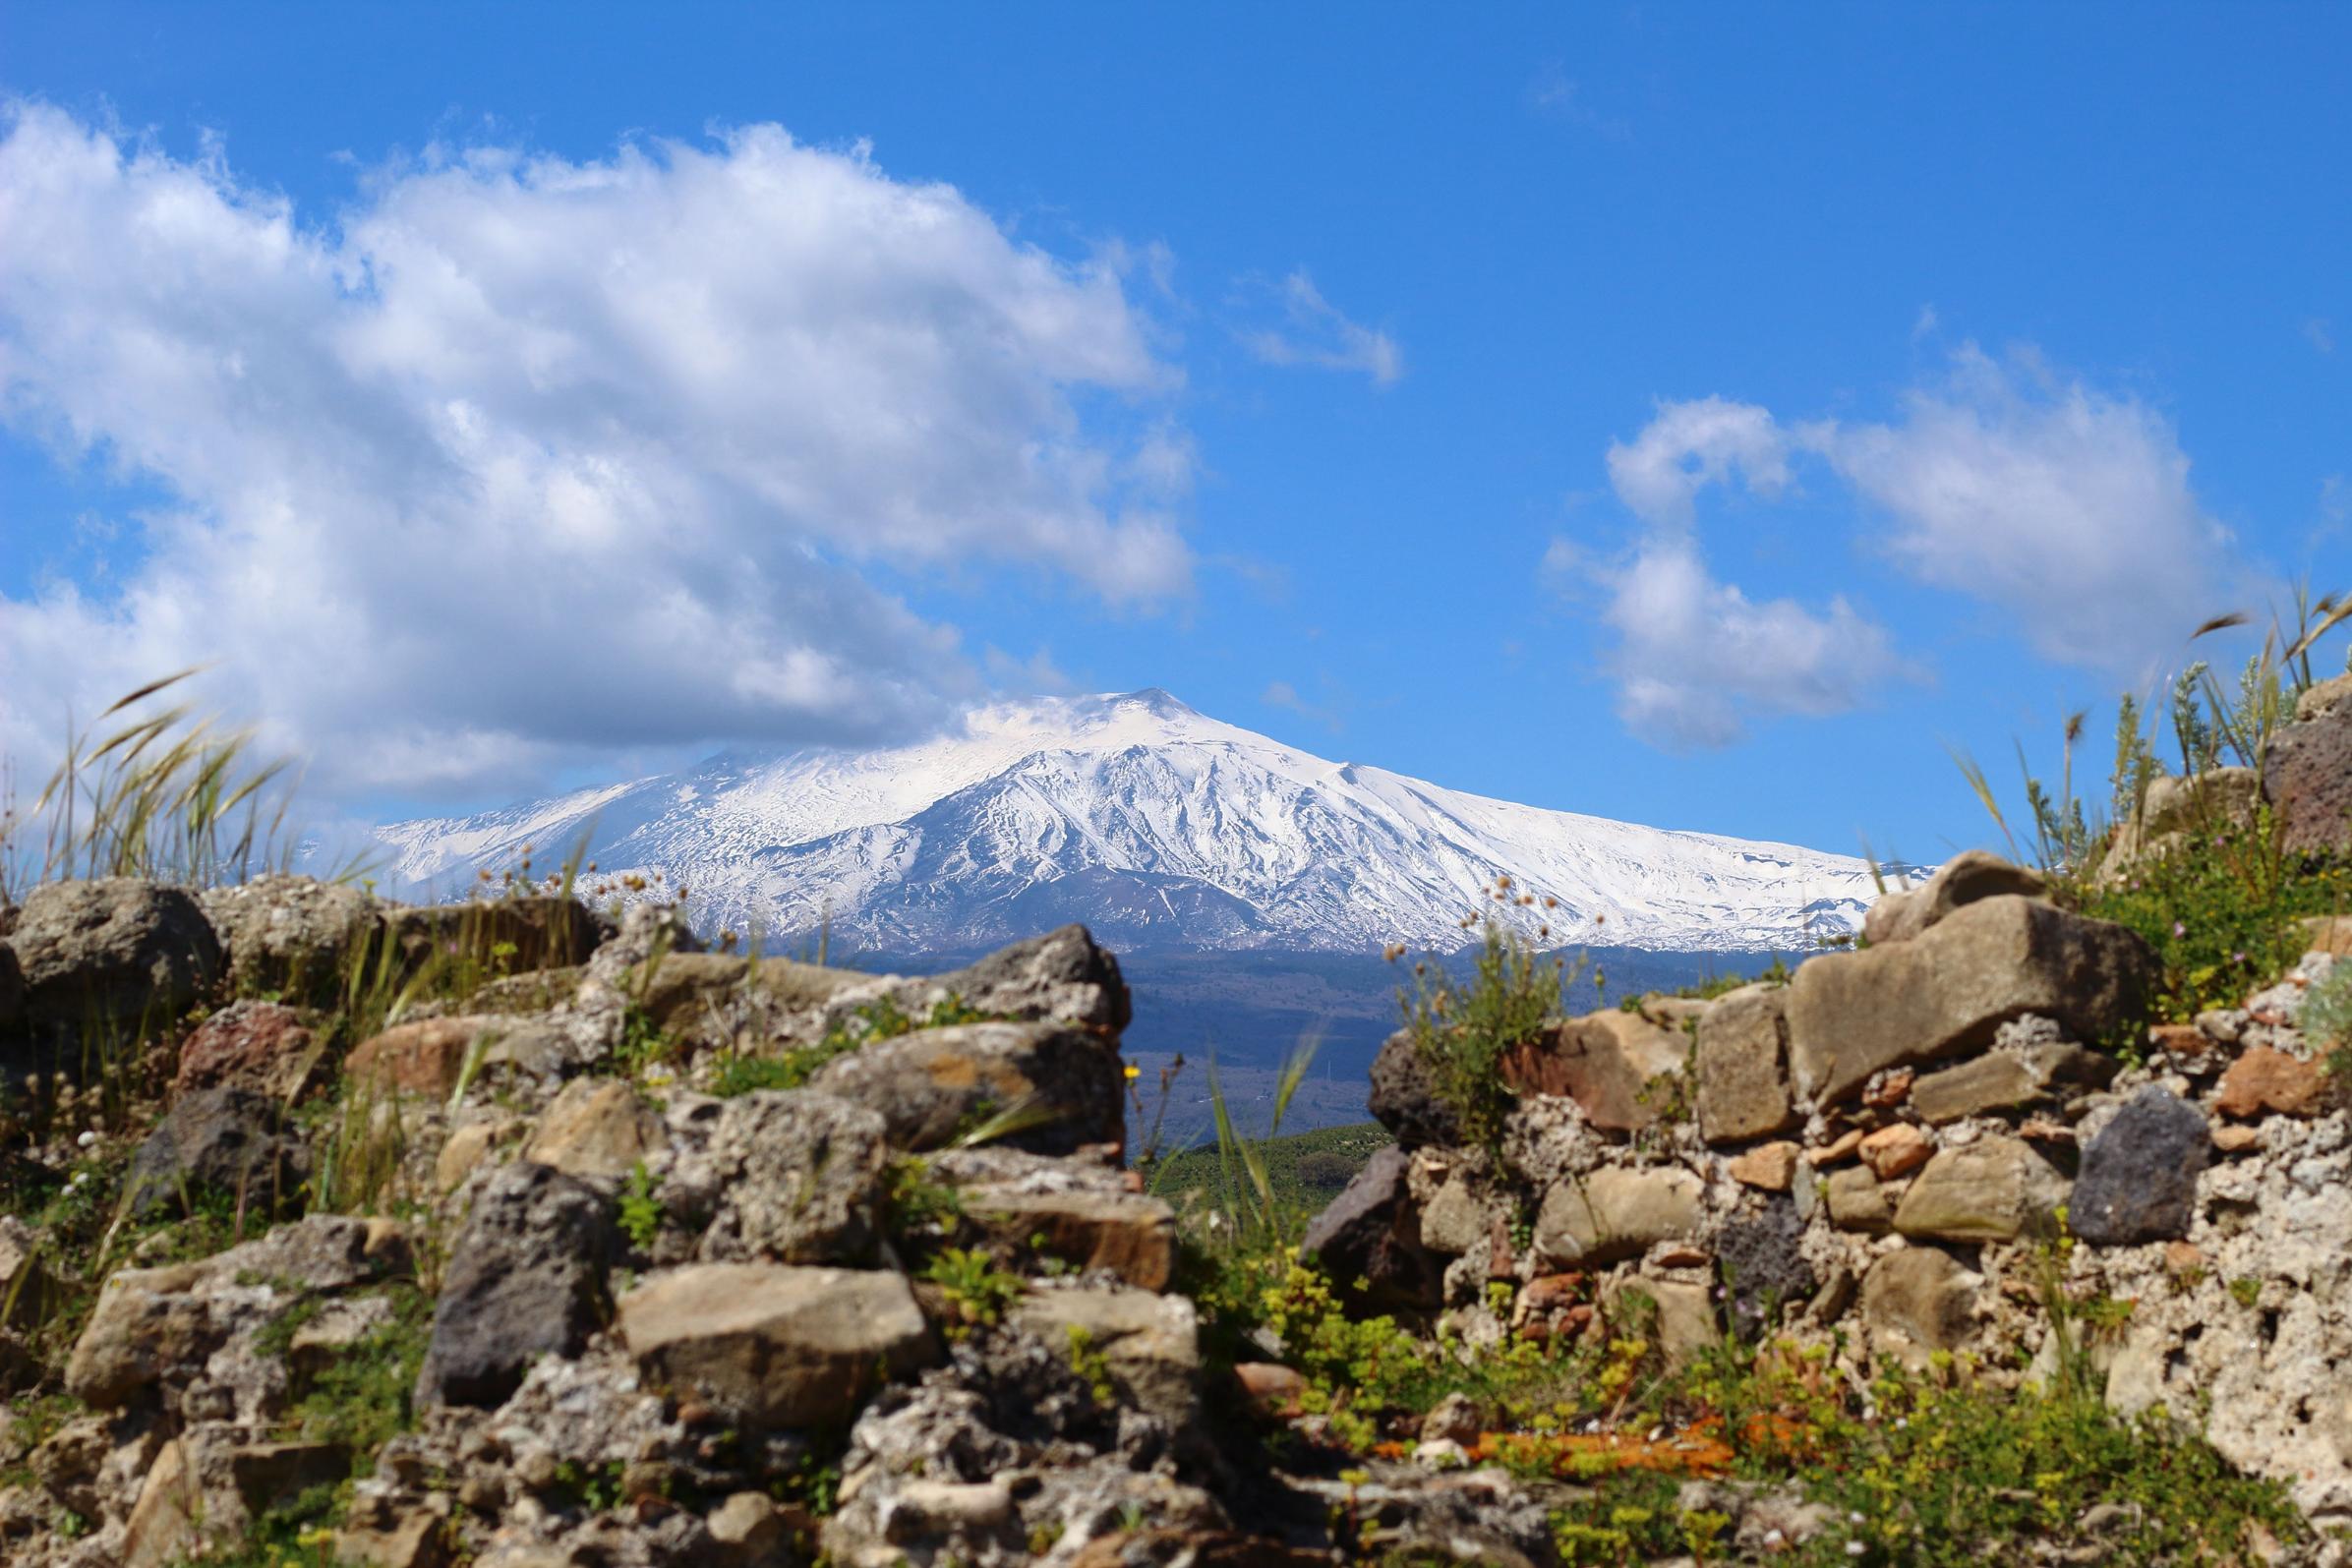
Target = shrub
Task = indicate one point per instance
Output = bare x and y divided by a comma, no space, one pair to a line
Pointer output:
1462,1032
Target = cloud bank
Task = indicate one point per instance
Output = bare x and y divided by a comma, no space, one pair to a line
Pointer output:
2066,508
523,459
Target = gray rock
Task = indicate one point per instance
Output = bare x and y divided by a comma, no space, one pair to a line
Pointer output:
2139,1176
116,950
1405,1100
1856,1202
219,1145
1150,1343
1948,989
1617,1212
2308,780
1061,977
1372,1233
506,935
289,934
1994,1189
1743,1065
935,1083
1760,1251
525,1278
773,1345
12,988
2174,809
784,1176
1966,877
2007,1080
1919,1300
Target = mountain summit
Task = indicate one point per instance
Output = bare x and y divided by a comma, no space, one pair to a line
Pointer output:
1156,825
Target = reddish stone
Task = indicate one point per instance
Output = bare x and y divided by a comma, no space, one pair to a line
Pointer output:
1889,1091
1896,1150
1838,1148
1770,1166
1271,1389
422,1057
1501,1263
2265,1080
2181,1039
261,1047
1610,1062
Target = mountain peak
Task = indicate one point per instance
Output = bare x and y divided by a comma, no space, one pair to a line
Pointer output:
1157,825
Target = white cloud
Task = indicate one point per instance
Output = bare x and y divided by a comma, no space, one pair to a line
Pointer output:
2066,506
1316,333
2319,333
524,458
1694,656
1689,445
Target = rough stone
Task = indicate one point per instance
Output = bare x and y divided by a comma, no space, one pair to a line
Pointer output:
597,1130
220,1143
1060,977
1372,1232
289,934
1856,1202
1896,1150
1610,1062
2266,1080
118,950
1948,989
2007,1080
2308,780
261,1047
776,1345
1405,1100
510,935
1150,1343
2138,1176
12,987
1761,1253
27,1291
1617,1212
1770,1167
1128,1234
779,1176
1995,1190
1684,1322
425,1057
1741,1064
1919,1300
525,1278
934,1084
2173,809
1964,879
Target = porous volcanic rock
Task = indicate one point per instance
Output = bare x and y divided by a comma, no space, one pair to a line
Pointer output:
118,950
2138,1176
526,1278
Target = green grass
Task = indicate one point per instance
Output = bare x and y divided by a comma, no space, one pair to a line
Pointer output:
1305,1170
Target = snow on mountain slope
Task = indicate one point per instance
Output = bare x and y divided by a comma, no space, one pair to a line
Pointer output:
1156,825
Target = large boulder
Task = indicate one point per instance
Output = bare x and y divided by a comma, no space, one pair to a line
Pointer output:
115,951
293,935
772,1345
2307,778
427,1057
225,1146
1620,1068
1741,1062
1129,1235
2138,1176
1062,976
1618,1212
1948,989
1964,879
525,1279
1405,1100
781,1176
1369,1241
934,1084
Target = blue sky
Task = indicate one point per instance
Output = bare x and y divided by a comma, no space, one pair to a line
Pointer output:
1693,414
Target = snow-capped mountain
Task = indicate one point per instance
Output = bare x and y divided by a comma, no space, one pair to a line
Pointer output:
1153,824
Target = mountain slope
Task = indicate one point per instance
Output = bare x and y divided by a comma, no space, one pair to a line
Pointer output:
1158,826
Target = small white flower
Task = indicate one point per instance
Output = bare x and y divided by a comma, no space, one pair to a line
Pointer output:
1855,1517
1773,1538
87,1140
1854,1548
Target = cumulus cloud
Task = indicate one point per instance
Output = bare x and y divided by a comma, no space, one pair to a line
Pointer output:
2068,507
522,458
1314,333
1695,657
1689,445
